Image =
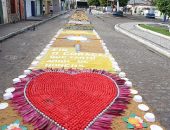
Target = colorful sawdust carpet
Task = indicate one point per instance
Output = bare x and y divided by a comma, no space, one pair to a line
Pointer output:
70,99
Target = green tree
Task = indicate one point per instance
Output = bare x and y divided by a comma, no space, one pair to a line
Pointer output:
93,2
123,3
164,6
103,2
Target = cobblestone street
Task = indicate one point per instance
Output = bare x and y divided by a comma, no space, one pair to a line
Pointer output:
18,52
148,70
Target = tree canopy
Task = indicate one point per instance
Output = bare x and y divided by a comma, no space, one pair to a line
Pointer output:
105,2
123,3
93,2
163,6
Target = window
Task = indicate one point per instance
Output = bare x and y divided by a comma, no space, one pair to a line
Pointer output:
13,7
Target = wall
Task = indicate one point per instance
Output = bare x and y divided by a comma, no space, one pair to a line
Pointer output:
19,14
9,17
47,4
28,8
38,7
56,6
12,17
22,9
1,13
5,14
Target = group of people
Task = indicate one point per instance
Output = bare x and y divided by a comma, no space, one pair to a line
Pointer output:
50,8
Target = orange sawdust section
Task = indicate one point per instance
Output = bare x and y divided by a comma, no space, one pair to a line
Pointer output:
88,36
119,124
80,25
93,46
9,115
79,15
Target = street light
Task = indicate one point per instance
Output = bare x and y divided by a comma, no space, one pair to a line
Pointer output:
133,11
117,5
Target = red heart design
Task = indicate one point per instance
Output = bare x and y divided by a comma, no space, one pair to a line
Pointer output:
73,101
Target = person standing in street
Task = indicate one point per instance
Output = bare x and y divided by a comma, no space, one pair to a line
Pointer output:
43,10
90,10
51,9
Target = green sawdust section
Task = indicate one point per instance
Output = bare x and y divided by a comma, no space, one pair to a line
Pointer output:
119,124
9,115
156,29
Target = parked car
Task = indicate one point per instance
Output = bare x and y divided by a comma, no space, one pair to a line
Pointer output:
118,13
150,15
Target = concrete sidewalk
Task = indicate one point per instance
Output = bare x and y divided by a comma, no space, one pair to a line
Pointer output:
6,29
158,43
10,30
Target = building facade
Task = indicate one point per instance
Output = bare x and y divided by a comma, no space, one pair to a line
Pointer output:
34,8
55,3
11,11
1,13
15,10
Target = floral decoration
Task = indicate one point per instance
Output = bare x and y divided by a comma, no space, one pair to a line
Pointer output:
13,126
134,122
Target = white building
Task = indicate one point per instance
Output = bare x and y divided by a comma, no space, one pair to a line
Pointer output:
139,2
4,14
33,8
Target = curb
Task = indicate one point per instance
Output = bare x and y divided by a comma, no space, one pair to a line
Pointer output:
155,33
3,38
145,42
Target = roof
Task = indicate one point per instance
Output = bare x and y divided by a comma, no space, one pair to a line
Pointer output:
139,2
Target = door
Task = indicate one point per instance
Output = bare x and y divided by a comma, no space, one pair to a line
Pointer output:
38,7
41,7
33,8
1,13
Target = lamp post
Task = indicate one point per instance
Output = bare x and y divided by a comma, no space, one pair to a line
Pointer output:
117,5
133,11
